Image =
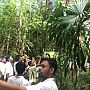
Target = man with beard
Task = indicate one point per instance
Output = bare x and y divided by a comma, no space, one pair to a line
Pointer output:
46,72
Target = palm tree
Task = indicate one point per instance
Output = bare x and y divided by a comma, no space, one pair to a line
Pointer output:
67,29
70,28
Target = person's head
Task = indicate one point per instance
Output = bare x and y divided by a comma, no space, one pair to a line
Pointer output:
11,59
20,68
4,59
18,58
48,68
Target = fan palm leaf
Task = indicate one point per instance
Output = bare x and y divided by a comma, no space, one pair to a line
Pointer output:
78,6
75,12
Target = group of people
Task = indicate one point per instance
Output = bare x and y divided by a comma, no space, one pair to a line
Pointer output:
37,68
6,67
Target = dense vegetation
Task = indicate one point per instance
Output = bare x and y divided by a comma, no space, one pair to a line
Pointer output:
50,26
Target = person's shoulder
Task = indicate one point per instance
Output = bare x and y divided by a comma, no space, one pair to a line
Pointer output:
11,78
1,63
45,86
50,85
23,79
49,82
8,63
25,82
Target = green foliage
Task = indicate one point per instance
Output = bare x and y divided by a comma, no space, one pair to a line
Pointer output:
67,28
36,27
23,26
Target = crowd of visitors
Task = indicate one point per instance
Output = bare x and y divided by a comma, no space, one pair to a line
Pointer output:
23,73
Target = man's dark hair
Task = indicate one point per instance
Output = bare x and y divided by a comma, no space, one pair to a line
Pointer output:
20,68
52,62
6,57
17,57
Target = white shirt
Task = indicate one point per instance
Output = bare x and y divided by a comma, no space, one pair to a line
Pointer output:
9,68
2,68
48,84
15,67
18,80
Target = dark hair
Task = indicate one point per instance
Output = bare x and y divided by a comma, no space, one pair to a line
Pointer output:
6,57
52,62
17,57
20,67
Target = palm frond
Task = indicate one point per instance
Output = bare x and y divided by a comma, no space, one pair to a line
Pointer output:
69,19
78,6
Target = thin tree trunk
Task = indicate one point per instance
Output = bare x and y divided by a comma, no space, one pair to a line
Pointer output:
7,48
19,33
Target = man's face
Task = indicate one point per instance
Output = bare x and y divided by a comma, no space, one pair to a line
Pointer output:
11,59
4,60
44,70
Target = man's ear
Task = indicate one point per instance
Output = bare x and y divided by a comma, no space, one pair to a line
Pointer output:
51,70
